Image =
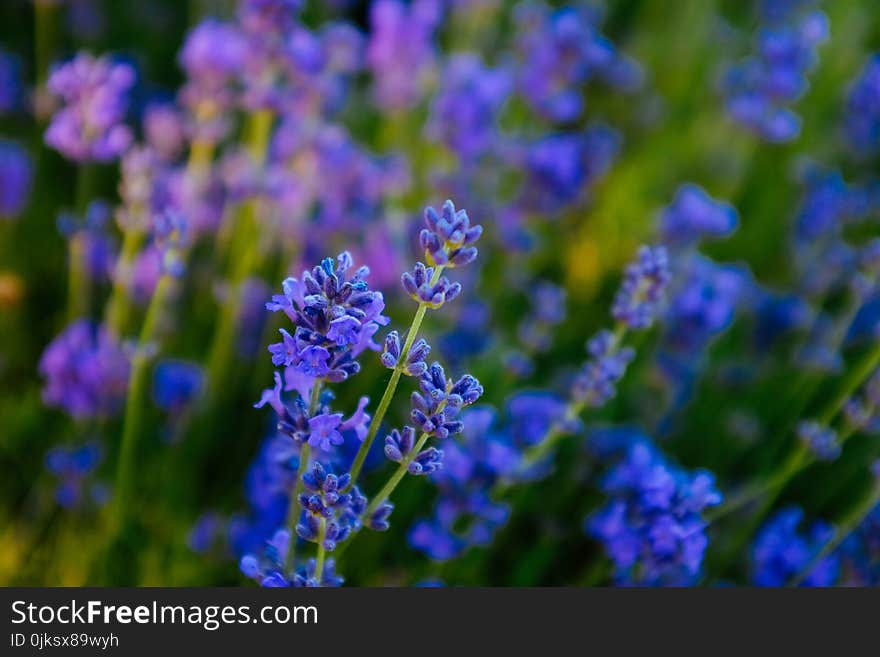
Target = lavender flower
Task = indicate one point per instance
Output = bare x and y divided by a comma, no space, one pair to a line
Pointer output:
641,292
400,51
781,553
89,126
595,385
268,569
86,371
562,51
760,89
465,514
464,115
73,466
448,238
335,320
652,526
15,179
821,441
176,384
694,215
415,361
863,109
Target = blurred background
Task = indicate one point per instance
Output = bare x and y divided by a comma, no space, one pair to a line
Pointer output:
254,139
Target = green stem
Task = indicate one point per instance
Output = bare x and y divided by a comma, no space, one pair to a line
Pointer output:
319,560
118,306
397,477
44,39
304,453
849,525
358,463
135,404
79,288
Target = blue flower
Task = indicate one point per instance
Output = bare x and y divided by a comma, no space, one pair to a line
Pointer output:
781,553
651,526
176,384
641,292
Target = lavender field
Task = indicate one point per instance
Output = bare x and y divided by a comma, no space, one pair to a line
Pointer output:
440,293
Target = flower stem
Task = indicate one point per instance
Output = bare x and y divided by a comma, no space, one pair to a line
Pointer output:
119,305
135,403
358,463
304,453
397,477
319,560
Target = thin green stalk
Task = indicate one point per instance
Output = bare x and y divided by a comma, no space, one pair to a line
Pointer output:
397,477
391,388
319,559
44,38
135,404
849,525
304,453
119,306
244,260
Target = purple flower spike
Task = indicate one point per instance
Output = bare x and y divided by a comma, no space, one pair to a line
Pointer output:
449,237
641,292
89,126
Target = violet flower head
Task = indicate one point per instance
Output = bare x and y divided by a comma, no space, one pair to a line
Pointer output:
561,51
86,371
16,174
268,569
89,125
213,59
693,215
464,114
96,249
449,237
400,51
164,130
863,109
562,167
652,526
780,552
465,514
176,384
437,406
760,90
73,467
821,441
596,383
644,284
335,315
414,365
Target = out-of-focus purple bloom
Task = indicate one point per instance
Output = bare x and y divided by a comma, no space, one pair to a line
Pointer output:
532,414
465,515
561,167
72,466
821,441
641,292
693,215
176,384
781,553
15,179
863,109
652,526
86,371
760,89
335,318
89,125
164,130
268,567
561,51
464,115
400,50
207,531
704,302
95,247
